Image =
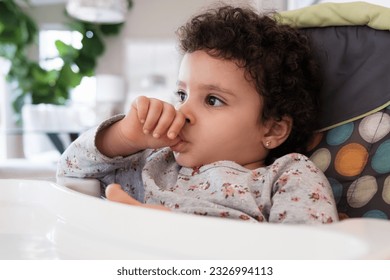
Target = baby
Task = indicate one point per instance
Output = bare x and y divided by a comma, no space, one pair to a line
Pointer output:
233,144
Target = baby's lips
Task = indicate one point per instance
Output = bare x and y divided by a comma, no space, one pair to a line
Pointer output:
179,145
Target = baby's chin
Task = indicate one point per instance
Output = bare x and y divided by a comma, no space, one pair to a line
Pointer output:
180,160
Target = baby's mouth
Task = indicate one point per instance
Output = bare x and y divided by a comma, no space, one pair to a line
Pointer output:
179,146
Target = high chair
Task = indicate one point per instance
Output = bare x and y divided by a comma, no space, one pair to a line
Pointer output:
352,145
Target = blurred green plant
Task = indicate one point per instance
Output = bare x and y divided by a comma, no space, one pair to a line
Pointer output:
18,31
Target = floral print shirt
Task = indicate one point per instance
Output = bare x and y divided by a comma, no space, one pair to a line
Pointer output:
291,190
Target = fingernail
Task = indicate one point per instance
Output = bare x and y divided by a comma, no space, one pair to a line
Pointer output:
146,131
156,135
171,135
142,121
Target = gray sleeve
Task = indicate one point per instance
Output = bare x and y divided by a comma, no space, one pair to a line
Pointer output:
302,194
83,160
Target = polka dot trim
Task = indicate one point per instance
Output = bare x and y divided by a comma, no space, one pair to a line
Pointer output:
351,159
337,189
322,158
340,134
381,159
361,191
386,190
369,129
375,214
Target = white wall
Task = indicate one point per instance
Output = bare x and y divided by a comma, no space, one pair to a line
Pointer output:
153,22
158,20
147,20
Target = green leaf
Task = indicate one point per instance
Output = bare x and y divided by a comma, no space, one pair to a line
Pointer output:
42,76
8,50
9,13
32,30
18,102
2,27
86,64
111,29
21,72
18,27
68,77
67,52
62,95
93,45
77,26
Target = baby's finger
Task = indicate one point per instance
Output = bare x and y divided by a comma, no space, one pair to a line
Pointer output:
142,104
115,193
177,124
154,112
165,121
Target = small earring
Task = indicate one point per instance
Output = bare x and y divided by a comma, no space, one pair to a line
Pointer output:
267,143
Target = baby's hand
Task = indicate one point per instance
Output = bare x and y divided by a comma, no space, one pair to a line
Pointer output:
156,122
115,193
158,117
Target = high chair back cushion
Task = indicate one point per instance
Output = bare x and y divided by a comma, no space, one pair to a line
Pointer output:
355,157
353,147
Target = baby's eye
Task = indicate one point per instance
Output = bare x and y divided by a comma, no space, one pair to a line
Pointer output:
182,96
214,101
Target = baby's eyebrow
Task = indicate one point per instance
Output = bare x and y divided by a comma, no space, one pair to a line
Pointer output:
180,83
208,87
217,88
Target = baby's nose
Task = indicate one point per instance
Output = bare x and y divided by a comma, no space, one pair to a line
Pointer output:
190,119
188,113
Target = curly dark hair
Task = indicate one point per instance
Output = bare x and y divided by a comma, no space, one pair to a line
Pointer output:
277,58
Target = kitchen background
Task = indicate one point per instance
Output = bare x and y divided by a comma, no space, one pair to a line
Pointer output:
141,60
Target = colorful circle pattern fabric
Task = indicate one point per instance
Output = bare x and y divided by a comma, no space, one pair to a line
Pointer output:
355,157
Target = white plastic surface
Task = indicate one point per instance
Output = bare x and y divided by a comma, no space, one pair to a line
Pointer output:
43,220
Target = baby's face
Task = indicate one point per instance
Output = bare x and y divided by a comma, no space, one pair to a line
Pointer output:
223,114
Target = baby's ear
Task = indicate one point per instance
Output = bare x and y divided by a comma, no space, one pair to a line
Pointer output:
276,132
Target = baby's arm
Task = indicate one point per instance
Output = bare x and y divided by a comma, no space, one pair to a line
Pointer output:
150,123
302,194
95,153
